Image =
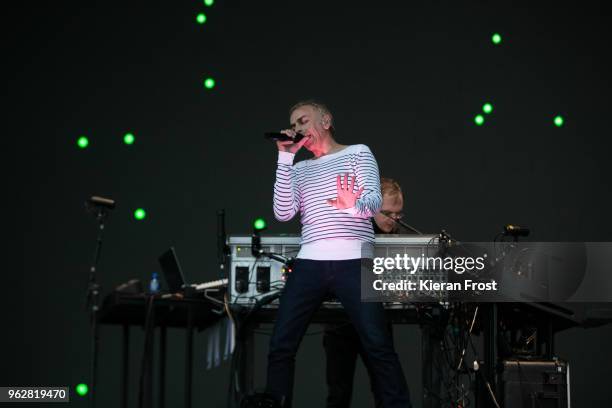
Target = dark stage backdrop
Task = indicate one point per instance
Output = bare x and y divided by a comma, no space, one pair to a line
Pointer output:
405,78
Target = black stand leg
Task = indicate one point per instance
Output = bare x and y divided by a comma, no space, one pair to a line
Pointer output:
249,371
426,367
151,368
94,352
126,366
147,389
189,357
430,360
162,367
246,361
494,348
93,294
489,368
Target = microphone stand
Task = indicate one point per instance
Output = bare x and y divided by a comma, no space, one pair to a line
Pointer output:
403,224
222,248
93,292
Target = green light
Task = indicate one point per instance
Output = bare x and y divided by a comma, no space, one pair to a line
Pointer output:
209,83
82,389
201,18
140,214
559,121
83,142
259,224
209,3
487,108
496,38
479,120
128,139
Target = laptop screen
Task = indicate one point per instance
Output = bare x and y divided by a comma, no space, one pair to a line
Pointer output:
172,271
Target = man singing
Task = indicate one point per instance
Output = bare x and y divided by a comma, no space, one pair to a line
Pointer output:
336,193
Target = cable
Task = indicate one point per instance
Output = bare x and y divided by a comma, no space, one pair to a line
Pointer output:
469,333
491,393
457,337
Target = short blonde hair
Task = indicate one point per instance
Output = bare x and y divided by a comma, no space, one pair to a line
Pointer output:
388,186
323,110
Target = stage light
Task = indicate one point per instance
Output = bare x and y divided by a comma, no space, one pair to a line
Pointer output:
209,83
82,142
128,139
259,224
559,121
496,38
209,3
82,389
201,18
140,214
487,108
479,120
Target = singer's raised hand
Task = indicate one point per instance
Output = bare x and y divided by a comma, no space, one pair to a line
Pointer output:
346,197
288,145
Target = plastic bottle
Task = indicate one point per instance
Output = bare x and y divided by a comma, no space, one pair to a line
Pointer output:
154,284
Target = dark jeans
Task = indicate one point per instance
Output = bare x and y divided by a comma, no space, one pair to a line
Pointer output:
306,287
342,346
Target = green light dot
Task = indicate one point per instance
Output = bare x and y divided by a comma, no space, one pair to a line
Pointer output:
140,214
209,3
559,121
201,18
487,108
82,389
496,38
479,120
209,83
82,142
128,138
259,224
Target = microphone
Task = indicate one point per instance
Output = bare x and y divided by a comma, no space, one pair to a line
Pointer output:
409,227
515,231
96,201
405,225
281,137
221,236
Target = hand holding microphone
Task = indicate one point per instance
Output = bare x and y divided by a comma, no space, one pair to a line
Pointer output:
291,146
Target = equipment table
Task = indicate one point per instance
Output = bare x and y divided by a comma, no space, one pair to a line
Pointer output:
131,310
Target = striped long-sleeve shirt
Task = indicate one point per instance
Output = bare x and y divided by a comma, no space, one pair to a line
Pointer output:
329,233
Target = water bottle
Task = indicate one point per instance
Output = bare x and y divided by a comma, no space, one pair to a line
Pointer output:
154,284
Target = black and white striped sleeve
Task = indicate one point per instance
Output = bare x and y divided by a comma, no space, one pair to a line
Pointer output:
286,198
366,170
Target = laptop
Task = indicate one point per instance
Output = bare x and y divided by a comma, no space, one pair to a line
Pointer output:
172,271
